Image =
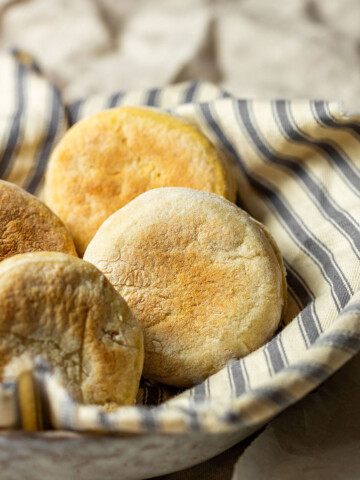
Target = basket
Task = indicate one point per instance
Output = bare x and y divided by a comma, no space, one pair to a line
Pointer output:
297,168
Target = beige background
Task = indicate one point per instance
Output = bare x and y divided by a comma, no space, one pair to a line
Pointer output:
254,48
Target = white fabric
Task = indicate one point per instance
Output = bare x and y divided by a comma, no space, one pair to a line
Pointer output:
254,48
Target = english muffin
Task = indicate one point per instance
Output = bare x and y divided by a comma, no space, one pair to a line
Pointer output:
108,159
204,279
28,225
64,309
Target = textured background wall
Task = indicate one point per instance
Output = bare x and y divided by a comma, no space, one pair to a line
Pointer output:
255,48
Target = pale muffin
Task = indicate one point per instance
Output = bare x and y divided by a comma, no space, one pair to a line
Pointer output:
28,225
202,277
105,161
65,310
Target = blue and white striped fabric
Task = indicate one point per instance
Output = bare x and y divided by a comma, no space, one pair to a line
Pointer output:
297,165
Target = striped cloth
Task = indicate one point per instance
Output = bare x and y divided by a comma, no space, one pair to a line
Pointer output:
297,166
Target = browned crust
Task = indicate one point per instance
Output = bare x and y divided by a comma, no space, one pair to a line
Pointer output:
28,225
108,159
201,276
64,309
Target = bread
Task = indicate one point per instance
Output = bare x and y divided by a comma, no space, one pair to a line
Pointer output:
110,158
63,309
203,278
27,224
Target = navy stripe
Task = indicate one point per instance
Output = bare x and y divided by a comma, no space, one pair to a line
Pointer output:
319,109
298,285
152,98
238,378
191,417
74,111
268,364
207,387
349,342
326,141
308,319
349,174
310,327
190,92
351,308
300,321
230,379
104,421
344,220
275,356
316,372
147,418
115,99
281,346
66,419
333,152
234,418
42,156
325,203
15,130
199,392
278,396
321,257
225,94
294,225
8,386
43,366
324,254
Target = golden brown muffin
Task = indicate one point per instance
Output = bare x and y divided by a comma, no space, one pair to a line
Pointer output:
28,225
110,158
203,278
64,309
